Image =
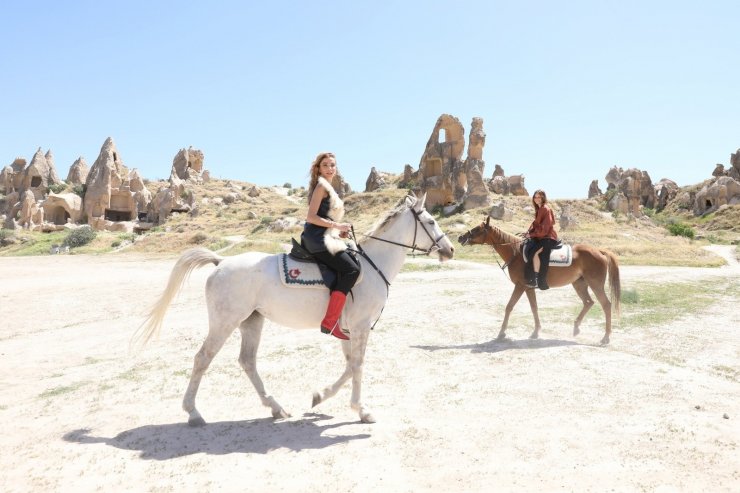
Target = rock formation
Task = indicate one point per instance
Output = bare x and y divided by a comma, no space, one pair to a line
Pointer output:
77,172
63,208
375,180
477,192
630,191
665,191
188,165
441,169
109,198
723,189
39,175
594,190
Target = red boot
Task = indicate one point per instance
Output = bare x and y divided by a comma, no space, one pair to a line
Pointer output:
330,324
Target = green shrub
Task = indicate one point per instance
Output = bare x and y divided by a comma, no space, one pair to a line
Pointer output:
80,236
80,190
7,237
680,229
57,187
199,238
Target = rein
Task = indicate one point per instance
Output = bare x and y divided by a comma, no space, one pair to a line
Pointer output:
513,249
414,247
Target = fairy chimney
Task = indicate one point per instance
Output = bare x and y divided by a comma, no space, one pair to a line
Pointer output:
108,197
39,175
441,169
78,172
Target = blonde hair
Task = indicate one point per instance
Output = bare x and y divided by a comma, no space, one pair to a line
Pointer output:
314,171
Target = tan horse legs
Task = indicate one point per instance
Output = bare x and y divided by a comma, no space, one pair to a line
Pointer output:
581,287
515,295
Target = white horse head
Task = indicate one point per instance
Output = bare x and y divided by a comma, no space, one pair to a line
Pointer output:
244,290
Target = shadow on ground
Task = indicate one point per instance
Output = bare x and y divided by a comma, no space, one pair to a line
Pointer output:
259,436
498,345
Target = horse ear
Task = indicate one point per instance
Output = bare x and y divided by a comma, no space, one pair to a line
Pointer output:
488,220
420,202
410,199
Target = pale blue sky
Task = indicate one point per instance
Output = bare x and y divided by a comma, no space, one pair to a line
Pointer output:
566,89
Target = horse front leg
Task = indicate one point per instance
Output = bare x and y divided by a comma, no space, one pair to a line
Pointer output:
331,390
515,295
355,361
251,330
532,297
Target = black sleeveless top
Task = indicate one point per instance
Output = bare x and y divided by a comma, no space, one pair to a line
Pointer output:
313,236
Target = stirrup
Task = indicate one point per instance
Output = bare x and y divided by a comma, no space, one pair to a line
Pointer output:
336,331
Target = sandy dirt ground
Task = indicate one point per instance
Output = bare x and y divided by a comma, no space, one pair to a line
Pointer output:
656,410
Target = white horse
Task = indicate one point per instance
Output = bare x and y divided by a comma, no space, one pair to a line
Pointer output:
245,289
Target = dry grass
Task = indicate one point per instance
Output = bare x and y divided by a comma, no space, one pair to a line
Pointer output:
245,225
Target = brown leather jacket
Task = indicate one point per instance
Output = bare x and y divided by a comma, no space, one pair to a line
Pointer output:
543,225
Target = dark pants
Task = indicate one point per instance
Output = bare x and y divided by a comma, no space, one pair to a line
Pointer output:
535,244
345,267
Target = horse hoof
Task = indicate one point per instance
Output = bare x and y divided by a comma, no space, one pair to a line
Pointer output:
316,399
280,413
534,335
605,341
367,418
196,421
501,337
576,331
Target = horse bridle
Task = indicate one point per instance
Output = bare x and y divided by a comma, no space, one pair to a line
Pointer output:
417,216
513,249
417,221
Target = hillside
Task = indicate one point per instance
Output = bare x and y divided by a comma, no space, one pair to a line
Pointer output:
229,220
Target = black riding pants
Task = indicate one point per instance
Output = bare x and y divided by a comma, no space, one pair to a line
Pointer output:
546,244
345,267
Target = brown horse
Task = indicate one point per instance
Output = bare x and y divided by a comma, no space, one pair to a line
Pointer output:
588,270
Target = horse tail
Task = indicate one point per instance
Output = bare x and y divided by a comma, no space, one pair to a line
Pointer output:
615,285
188,261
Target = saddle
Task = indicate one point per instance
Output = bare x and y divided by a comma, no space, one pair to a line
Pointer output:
300,268
561,255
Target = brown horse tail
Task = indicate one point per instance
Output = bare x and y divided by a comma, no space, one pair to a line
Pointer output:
615,285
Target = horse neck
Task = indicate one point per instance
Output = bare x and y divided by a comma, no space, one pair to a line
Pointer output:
389,257
506,245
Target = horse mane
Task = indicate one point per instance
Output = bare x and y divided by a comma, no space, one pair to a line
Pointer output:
380,225
507,237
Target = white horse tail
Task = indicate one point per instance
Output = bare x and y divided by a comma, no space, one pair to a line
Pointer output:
188,261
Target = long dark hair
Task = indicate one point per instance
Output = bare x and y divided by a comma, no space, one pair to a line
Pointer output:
544,199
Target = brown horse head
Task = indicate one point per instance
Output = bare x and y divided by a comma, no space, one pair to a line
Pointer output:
478,235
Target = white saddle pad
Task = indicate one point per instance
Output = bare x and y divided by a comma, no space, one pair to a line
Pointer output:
294,274
562,257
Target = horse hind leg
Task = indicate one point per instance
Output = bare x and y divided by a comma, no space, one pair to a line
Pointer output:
251,330
582,290
208,350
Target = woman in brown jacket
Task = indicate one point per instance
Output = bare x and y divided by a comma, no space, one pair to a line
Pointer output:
543,238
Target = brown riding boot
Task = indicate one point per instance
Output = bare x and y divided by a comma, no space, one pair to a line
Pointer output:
330,324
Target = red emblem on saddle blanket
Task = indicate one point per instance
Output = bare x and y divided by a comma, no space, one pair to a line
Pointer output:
294,273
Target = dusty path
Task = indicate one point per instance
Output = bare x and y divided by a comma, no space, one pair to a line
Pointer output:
457,410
